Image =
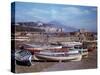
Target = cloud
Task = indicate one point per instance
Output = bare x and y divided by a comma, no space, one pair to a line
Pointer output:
39,14
36,11
76,10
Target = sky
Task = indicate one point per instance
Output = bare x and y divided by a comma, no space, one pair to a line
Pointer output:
80,17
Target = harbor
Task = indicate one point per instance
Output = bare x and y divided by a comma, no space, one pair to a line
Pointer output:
54,53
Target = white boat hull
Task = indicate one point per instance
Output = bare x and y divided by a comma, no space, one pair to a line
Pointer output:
77,57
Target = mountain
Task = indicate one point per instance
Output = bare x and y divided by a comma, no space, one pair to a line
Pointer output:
51,24
65,27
